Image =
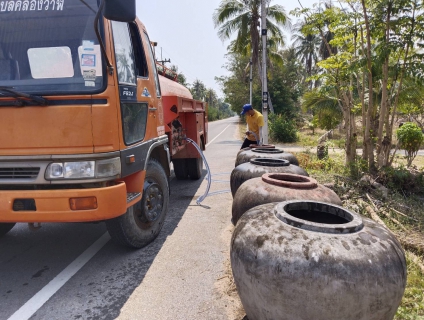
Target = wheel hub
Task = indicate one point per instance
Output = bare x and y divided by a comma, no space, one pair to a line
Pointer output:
153,202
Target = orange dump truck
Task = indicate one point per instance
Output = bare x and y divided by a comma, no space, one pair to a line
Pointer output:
88,127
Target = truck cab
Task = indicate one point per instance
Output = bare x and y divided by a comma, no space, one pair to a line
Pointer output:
83,124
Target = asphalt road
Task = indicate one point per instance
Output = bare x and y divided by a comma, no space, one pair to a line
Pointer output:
73,271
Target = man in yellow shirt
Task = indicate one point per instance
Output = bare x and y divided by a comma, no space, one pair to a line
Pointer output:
255,122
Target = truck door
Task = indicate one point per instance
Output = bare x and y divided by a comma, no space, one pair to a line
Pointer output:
128,69
138,94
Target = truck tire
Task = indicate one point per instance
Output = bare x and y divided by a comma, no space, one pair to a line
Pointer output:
143,221
5,228
180,169
195,166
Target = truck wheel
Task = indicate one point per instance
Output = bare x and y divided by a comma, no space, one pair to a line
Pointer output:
195,166
5,228
180,169
142,222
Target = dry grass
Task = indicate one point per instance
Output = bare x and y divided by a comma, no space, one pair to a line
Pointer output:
400,160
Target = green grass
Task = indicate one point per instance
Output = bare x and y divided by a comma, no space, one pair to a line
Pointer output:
412,307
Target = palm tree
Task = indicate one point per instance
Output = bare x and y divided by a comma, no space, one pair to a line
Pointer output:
325,106
326,50
243,17
198,90
181,78
306,48
211,97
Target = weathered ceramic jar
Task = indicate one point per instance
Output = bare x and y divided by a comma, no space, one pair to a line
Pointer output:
276,153
277,187
312,260
256,146
259,166
262,146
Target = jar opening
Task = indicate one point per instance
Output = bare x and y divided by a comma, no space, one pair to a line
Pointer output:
288,180
270,162
263,146
268,150
318,216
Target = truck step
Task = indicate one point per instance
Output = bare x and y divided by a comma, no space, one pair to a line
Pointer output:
132,195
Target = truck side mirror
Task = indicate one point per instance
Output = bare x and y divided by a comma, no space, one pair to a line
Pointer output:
119,10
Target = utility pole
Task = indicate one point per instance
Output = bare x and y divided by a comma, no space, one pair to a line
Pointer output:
264,73
251,79
162,61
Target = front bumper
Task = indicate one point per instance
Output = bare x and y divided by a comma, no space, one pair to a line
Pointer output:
54,205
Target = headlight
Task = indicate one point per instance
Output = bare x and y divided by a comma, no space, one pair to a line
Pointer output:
84,169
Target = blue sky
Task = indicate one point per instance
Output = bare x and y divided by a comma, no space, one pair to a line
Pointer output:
185,31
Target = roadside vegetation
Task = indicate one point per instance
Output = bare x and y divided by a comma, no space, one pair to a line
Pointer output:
351,83
394,198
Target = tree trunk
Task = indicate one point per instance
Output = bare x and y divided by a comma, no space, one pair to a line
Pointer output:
351,136
369,156
364,107
382,149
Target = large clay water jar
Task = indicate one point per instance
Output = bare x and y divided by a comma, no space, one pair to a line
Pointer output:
259,166
277,187
312,260
256,146
276,153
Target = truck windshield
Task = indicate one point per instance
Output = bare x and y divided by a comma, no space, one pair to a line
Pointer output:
49,47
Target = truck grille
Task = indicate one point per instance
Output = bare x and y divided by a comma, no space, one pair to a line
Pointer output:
19,173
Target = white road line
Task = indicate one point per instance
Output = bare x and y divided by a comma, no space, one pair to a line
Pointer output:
42,296
218,135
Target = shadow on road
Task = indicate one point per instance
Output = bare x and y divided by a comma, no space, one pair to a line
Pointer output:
102,286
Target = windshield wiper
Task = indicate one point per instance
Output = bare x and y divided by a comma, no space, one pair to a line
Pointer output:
18,95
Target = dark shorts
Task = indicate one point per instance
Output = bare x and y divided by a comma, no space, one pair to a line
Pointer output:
247,143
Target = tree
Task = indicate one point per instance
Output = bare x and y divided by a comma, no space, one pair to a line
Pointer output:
411,104
210,97
376,54
235,86
198,90
306,48
243,17
325,108
181,78
285,83
410,138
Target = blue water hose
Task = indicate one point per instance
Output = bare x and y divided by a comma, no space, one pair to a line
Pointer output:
256,137
201,198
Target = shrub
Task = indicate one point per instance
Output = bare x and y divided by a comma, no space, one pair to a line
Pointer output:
213,114
328,120
410,138
310,162
402,179
282,129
